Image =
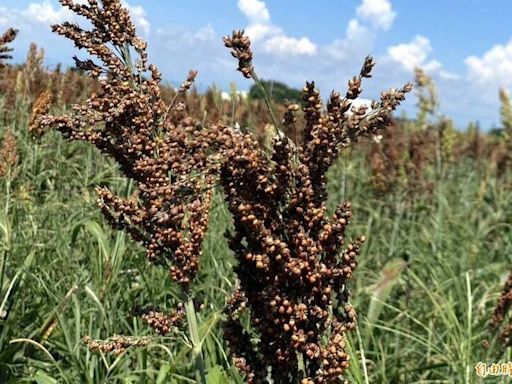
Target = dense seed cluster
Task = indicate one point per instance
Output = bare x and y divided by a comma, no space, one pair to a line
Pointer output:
162,323
41,107
5,50
399,161
501,314
241,49
293,259
386,162
160,147
294,263
115,344
8,154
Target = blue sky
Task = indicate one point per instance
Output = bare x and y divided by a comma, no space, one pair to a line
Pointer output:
466,45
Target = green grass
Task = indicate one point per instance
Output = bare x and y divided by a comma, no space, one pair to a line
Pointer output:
424,290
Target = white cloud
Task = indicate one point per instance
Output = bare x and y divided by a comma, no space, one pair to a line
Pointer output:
378,12
414,54
259,32
45,13
138,15
206,34
494,67
285,45
272,38
5,16
357,43
255,10
448,75
176,50
362,30
355,30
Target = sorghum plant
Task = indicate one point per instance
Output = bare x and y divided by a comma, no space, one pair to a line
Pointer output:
503,152
500,315
5,39
156,145
448,138
21,84
398,163
160,147
294,261
387,159
8,154
427,97
420,152
401,159
30,78
505,112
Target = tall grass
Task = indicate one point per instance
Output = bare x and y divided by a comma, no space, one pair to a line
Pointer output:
63,263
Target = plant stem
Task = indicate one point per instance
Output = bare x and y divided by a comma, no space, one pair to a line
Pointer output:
363,357
197,353
7,248
266,98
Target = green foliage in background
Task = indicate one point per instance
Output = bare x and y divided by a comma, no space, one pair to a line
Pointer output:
425,287
277,91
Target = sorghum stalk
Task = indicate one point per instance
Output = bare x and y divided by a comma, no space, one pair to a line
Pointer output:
170,158
197,352
293,263
240,46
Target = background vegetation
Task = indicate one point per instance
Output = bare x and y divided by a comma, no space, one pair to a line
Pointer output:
435,204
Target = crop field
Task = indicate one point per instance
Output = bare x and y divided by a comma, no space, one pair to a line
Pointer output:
158,234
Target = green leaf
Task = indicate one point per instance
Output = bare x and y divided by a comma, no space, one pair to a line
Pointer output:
94,229
382,289
163,373
216,376
42,378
